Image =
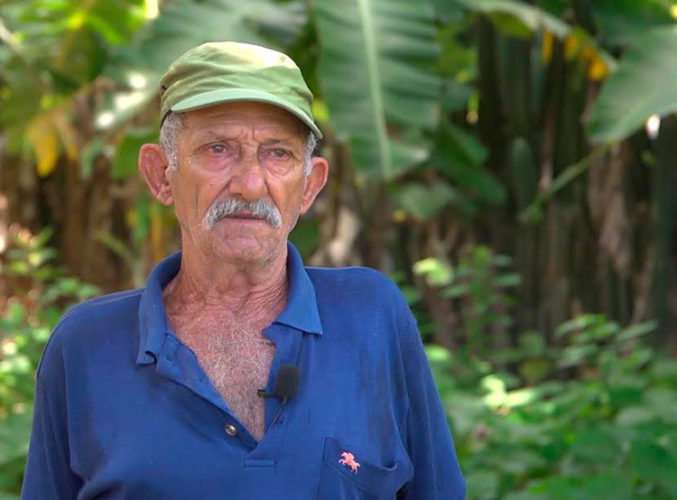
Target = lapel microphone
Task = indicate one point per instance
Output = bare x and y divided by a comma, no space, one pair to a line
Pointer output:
286,384
286,387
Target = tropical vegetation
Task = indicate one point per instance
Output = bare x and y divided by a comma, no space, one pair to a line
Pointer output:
509,163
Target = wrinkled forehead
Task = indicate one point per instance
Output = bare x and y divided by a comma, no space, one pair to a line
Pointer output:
256,116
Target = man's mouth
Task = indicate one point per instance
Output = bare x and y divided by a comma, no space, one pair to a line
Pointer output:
244,215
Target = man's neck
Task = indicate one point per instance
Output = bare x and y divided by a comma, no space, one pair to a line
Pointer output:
256,294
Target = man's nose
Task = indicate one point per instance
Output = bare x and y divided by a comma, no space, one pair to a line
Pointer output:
247,179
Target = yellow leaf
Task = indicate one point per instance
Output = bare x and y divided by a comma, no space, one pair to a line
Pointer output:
589,53
598,69
43,136
131,218
571,47
546,50
68,135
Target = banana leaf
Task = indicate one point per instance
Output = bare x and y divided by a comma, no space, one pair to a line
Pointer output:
517,18
377,75
642,85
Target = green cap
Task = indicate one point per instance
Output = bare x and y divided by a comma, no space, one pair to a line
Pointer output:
218,72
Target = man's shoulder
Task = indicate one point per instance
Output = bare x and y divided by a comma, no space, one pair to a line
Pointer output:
104,307
101,323
356,276
362,284
99,316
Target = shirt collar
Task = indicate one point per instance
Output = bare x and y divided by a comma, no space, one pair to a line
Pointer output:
300,312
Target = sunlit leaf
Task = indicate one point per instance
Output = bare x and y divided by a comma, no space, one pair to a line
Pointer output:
636,331
574,355
437,272
45,141
424,202
579,323
518,18
376,71
67,133
182,25
641,86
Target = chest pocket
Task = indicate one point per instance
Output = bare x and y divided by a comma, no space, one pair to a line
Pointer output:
345,476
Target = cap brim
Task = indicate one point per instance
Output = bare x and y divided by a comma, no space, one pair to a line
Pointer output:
231,95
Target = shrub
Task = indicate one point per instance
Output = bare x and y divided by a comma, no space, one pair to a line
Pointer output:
40,293
599,420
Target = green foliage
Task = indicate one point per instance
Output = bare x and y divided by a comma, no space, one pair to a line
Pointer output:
480,284
619,21
534,212
376,70
641,86
585,412
424,202
42,292
460,156
524,172
57,49
600,422
138,67
518,18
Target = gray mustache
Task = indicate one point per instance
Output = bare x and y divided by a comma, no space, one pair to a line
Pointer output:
259,208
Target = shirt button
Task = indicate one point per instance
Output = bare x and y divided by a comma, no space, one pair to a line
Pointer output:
231,430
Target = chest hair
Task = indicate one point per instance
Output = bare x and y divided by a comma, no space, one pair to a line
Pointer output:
237,361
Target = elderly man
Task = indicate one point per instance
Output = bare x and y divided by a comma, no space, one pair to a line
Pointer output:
236,372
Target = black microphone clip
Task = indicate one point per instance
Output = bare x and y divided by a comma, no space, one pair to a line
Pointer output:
286,384
286,387
265,395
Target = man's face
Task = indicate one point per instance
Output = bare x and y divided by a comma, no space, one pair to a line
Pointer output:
247,151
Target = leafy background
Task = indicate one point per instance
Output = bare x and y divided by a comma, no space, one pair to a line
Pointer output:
510,164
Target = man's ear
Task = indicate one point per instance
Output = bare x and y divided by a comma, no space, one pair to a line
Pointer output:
315,181
153,166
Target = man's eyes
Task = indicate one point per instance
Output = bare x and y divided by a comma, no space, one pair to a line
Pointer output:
281,153
218,148
265,153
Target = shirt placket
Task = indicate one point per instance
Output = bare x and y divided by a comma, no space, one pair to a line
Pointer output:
178,363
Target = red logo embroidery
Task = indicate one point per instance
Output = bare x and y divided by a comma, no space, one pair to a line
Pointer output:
349,460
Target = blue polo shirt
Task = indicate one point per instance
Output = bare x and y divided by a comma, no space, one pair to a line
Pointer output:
124,410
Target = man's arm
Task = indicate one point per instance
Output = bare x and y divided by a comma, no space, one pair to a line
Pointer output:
48,474
437,474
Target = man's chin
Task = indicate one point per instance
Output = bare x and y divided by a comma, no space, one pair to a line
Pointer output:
247,249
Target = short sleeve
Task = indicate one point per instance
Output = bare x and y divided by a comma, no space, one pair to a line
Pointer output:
48,474
437,473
